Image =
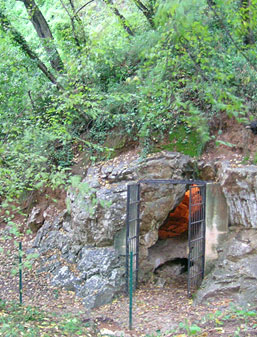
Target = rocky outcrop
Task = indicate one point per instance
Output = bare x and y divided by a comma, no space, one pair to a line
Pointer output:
84,245
235,273
239,185
107,183
102,270
83,238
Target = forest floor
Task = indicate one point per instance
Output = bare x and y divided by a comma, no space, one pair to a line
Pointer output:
157,311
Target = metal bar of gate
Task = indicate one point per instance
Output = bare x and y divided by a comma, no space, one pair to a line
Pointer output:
137,234
132,231
127,235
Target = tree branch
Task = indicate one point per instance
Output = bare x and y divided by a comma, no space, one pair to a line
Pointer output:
31,100
19,39
120,16
89,2
72,24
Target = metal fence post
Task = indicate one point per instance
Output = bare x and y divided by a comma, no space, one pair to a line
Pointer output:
130,290
20,271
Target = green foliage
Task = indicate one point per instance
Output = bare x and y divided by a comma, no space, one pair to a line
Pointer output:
176,76
16,321
221,142
242,320
191,330
30,161
2,304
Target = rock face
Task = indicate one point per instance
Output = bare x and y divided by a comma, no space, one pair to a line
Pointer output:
97,225
239,186
80,242
235,272
101,267
167,250
95,274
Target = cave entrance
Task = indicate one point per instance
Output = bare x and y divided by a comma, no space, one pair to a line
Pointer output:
188,217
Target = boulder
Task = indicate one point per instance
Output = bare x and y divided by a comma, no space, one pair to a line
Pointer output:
235,273
167,250
35,221
239,185
99,276
65,278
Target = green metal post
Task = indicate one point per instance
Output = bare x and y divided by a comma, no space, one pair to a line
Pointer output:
20,271
130,290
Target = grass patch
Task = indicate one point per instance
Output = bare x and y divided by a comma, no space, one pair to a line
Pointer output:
17,321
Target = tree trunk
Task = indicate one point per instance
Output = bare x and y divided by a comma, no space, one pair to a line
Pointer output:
43,31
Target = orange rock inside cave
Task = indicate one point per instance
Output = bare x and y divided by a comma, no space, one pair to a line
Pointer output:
177,221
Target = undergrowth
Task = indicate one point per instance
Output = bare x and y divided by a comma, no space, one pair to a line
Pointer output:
234,321
17,321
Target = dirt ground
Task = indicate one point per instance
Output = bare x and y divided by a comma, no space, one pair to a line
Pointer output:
233,142
37,290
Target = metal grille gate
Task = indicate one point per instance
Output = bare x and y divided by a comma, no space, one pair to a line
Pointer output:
196,236
196,230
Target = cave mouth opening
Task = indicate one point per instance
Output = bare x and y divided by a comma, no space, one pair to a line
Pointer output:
177,220
172,268
169,254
